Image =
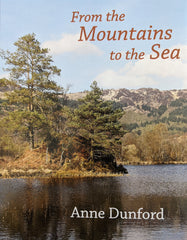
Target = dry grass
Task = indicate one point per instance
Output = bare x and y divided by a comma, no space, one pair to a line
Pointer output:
19,173
82,174
4,173
33,164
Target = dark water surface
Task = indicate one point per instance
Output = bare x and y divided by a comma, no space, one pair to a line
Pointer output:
41,209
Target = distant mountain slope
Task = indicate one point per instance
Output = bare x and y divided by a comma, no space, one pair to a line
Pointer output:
147,106
137,98
130,98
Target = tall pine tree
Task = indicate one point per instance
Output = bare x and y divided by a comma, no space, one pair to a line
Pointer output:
36,94
98,123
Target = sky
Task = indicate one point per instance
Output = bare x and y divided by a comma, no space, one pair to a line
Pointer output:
82,62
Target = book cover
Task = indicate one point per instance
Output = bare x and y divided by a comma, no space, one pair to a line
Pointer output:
93,130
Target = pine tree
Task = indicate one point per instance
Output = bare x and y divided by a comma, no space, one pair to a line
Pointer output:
36,94
98,123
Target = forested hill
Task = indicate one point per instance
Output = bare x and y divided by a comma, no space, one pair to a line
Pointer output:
147,106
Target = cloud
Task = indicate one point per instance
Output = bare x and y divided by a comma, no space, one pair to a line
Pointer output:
185,83
70,43
146,73
4,75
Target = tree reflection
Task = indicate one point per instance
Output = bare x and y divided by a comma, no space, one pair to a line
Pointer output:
42,209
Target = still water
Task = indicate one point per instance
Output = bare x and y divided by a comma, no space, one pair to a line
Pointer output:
41,209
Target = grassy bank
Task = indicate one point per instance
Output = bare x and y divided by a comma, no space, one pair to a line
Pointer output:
48,173
33,164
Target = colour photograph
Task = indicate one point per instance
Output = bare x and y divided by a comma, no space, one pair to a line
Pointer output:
93,120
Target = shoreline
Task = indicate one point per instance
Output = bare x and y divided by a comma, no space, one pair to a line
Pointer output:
61,174
48,173
151,163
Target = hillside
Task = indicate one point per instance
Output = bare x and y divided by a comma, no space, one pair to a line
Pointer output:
146,106
135,99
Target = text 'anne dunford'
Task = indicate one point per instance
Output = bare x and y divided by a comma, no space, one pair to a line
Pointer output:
114,213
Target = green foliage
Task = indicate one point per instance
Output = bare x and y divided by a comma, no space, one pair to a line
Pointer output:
174,115
72,103
153,111
129,127
146,108
178,102
35,95
12,142
179,111
161,110
98,122
3,82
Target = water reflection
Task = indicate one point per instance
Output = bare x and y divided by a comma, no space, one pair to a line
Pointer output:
41,209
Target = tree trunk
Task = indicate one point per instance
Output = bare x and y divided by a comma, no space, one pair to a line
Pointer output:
62,159
46,156
31,137
91,150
